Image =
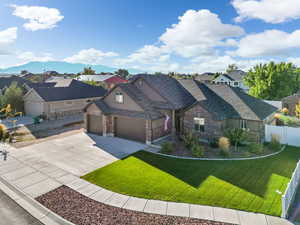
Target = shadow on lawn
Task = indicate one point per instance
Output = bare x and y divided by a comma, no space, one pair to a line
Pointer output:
251,175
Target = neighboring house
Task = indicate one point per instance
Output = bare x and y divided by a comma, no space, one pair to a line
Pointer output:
107,81
206,77
56,78
153,106
62,98
290,103
233,79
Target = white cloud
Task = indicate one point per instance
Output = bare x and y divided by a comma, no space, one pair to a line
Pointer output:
40,18
7,38
270,11
30,56
268,43
89,56
197,32
218,64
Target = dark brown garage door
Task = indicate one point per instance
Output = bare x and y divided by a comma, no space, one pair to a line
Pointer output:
129,128
94,124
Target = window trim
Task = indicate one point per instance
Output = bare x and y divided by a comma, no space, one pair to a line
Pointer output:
199,124
117,96
243,124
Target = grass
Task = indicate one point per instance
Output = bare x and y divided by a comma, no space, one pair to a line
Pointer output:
250,185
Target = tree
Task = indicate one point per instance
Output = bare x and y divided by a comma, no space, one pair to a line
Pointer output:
13,95
236,136
297,110
122,73
231,68
273,81
88,71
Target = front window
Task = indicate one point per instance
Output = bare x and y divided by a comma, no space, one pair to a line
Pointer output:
119,98
243,124
199,124
236,83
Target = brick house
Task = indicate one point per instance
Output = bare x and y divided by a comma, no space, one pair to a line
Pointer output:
153,106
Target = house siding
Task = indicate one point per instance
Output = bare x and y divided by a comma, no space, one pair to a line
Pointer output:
128,104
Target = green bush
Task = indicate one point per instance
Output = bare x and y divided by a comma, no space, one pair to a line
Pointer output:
214,143
275,143
197,150
256,148
166,148
189,140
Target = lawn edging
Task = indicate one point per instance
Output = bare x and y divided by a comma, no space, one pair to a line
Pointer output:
219,159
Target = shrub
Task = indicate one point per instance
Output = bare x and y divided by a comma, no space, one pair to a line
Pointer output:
197,150
275,142
166,147
236,136
189,140
285,111
213,143
256,148
224,143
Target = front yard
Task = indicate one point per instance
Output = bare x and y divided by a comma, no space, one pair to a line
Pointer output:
250,185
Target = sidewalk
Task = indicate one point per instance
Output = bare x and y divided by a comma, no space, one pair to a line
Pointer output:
35,177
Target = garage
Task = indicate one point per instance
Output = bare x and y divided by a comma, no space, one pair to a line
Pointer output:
33,108
130,128
94,124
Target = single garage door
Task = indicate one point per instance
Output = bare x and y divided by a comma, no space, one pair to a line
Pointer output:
94,124
131,129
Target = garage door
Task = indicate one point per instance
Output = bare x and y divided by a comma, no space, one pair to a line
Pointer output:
33,108
94,124
131,129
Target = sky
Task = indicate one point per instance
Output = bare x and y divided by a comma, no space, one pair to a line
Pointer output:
191,36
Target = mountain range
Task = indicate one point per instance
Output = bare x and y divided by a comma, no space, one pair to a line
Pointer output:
60,67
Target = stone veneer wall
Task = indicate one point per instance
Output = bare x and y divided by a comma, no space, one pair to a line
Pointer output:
213,128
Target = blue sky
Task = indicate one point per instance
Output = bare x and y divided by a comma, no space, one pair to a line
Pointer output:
149,35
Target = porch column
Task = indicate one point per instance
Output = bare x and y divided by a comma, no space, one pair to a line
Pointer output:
148,132
173,130
104,125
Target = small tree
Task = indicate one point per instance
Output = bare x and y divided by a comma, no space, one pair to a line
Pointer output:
88,71
23,72
231,68
13,96
297,110
122,73
236,136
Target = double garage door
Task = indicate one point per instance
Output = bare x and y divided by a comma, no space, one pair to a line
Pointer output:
130,128
127,128
94,124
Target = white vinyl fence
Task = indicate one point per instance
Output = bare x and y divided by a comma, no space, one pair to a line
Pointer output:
288,197
288,135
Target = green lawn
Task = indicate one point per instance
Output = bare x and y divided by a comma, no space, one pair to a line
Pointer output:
250,185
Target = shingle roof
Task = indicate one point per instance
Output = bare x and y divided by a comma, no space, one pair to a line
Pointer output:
7,81
169,88
237,75
97,78
228,102
76,90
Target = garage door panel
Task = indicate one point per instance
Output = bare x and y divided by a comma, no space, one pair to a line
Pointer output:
94,124
129,128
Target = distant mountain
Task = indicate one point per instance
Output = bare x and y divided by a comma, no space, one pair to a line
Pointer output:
61,67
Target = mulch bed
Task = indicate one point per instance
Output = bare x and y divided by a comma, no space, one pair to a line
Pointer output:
82,210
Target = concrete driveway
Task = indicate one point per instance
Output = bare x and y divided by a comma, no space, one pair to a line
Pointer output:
78,154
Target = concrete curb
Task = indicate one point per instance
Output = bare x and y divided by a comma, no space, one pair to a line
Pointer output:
33,207
219,159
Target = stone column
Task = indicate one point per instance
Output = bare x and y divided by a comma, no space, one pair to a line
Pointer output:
104,125
148,132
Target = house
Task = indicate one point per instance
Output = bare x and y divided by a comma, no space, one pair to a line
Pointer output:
153,106
107,81
233,79
206,77
61,98
290,103
56,78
